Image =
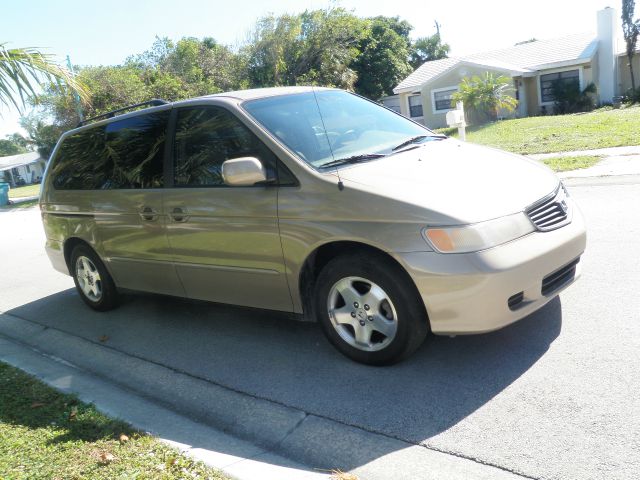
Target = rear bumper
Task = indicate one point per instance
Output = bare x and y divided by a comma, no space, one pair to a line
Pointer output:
470,293
55,252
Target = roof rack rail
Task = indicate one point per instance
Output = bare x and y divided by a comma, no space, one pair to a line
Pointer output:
151,103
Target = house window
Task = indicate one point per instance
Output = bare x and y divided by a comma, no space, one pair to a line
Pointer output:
442,100
546,83
415,106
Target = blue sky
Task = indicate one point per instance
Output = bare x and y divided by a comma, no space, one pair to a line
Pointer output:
107,32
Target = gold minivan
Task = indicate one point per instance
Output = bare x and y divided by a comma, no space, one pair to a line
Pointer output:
314,201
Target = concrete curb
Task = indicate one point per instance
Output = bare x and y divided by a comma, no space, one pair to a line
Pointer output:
274,429
235,457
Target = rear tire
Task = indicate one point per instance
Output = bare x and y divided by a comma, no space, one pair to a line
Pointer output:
369,309
93,281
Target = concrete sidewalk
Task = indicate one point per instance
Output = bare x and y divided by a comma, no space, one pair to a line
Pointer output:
605,152
615,161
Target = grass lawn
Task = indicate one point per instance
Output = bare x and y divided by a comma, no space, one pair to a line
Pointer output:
606,127
26,191
17,206
562,164
48,435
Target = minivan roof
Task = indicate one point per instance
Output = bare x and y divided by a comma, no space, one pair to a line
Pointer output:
254,93
242,95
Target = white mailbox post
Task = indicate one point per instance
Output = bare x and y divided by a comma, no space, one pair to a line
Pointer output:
455,118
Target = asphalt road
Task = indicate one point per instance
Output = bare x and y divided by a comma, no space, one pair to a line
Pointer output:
554,396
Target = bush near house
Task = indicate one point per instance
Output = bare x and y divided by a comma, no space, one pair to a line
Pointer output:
570,99
484,96
602,128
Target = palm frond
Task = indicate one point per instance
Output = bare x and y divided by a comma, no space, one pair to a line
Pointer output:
24,70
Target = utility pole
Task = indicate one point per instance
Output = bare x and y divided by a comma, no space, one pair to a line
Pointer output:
75,94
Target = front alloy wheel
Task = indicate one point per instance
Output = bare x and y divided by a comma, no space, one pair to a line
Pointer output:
362,314
369,308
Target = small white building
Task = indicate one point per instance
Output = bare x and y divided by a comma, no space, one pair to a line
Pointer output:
22,169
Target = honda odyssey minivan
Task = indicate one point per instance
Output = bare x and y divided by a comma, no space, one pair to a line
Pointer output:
314,201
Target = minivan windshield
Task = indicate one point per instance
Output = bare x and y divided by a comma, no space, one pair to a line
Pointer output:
332,127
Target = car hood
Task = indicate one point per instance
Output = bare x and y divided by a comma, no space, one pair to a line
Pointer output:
455,182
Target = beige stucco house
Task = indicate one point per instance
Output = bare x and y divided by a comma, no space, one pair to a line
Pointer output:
425,95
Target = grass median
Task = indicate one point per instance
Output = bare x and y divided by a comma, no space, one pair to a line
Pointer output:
45,434
577,162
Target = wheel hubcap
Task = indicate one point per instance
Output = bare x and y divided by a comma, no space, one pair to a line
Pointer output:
88,278
362,314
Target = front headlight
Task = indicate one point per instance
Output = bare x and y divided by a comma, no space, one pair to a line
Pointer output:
478,236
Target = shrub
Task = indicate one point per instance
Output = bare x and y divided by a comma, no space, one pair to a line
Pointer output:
569,98
484,96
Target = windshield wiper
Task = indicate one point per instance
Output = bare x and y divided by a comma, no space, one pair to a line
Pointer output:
415,140
353,159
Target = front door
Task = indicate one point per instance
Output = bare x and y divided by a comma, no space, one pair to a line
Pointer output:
225,240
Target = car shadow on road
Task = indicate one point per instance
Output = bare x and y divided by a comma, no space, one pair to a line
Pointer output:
270,356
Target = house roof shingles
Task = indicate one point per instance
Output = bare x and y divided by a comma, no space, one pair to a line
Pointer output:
13,161
527,56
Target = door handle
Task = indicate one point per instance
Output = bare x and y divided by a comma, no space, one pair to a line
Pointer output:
148,214
179,215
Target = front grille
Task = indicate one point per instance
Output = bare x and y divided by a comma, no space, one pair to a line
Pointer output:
559,278
551,212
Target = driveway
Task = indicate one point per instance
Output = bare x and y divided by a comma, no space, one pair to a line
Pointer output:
553,396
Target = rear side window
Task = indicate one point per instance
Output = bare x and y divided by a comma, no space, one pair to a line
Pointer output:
74,166
125,154
208,136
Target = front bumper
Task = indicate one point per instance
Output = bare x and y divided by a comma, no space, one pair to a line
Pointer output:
469,293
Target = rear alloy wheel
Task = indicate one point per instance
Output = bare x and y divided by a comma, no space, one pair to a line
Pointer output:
89,279
369,309
93,282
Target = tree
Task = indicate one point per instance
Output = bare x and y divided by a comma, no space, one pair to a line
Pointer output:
111,87
315,47
22,70
426,49
383,59
13,145
41,135
484,96
171,71
630,29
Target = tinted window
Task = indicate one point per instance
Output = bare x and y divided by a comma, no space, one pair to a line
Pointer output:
135,148
571,77
123,154
208,136
76,164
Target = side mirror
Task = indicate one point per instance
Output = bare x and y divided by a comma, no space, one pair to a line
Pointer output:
244,171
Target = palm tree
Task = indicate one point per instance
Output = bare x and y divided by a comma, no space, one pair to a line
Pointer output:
23,70
486,95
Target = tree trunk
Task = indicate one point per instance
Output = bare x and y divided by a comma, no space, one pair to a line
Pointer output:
633,80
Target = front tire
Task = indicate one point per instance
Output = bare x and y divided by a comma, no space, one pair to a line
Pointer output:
93,282
369,309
